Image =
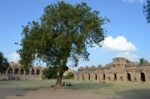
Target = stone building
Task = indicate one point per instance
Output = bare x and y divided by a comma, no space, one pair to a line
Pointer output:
16,72
119,70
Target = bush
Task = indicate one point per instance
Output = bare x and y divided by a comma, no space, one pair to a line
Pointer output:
69,75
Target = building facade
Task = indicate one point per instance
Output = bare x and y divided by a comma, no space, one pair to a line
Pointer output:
119,70
16,72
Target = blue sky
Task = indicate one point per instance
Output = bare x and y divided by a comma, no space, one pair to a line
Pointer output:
127,34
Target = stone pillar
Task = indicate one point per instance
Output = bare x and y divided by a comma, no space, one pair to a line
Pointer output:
35,71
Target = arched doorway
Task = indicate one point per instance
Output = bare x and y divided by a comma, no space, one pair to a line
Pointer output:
115,77
103,76
88,76
16,71
21,72
95,76
27,72
38,72
143,77
129,76
32,72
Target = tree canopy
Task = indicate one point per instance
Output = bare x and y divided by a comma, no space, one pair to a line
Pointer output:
3,63
147,10
62,35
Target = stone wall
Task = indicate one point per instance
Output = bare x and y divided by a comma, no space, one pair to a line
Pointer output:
16,72
119,70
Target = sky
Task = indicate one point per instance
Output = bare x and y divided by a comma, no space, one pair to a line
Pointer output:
127,34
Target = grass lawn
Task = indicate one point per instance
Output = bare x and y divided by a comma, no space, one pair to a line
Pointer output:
123,90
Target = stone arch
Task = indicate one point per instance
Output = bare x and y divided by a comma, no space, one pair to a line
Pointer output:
16,71
95,76
10,71
115,76
37,72
109,78
27,72
32,71
129,76
104,77
22,71
143,77
89,77
121,78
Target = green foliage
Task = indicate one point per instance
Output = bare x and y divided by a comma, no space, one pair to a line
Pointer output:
147,10
62,35
142,61
50,73
69,75
3,63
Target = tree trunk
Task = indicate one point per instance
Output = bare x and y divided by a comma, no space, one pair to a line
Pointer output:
59,78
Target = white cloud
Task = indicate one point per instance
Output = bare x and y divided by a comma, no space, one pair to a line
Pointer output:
128,55
119,44
134,1
14,56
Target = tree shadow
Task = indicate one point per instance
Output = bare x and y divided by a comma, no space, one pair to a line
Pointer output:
20,92
134,94
89,86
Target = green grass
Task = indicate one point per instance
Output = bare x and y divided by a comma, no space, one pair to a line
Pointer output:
26,84
127,90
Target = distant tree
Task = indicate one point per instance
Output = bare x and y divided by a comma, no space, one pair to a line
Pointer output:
61,35
147,10
142,61
3,63
50,73
69,75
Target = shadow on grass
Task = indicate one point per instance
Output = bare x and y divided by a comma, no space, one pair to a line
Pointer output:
134,94
4,92
20,88
89,86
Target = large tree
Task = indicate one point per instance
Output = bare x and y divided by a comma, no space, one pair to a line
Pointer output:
3,63
147,10
62,35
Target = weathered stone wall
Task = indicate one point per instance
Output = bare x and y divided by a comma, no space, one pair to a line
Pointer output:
16,72
119,70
